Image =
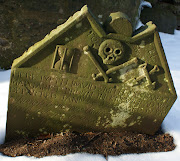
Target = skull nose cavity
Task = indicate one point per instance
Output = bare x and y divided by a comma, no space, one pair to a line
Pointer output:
110,57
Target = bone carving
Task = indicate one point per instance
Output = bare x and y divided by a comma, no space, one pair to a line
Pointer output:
116,68
146,75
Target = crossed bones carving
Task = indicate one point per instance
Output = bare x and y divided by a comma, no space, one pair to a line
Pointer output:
109,71
134,61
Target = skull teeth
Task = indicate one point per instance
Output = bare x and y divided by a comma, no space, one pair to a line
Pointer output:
108,61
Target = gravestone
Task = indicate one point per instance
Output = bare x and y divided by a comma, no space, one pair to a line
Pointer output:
87,77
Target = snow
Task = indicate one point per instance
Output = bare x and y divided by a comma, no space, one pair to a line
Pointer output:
171,124
4,86
141,7
145,4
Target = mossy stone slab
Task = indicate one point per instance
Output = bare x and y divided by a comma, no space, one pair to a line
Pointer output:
83,77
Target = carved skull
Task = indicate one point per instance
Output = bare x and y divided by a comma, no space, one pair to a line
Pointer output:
110,51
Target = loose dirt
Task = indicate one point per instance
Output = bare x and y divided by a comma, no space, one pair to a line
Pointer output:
91,142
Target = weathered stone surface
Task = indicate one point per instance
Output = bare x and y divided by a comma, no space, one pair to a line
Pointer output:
83,78
25,22
114,23
164,19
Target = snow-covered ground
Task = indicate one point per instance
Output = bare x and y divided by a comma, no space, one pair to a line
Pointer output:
171,124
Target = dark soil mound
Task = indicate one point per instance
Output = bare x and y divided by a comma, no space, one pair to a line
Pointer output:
94,143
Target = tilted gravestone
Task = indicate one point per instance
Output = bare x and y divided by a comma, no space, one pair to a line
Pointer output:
87,77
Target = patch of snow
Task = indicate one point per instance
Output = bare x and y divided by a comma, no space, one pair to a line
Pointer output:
139,24
4,89
171,45
70,157
145,3
141,7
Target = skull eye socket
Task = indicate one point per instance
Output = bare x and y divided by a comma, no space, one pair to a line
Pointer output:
108,50
118,51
